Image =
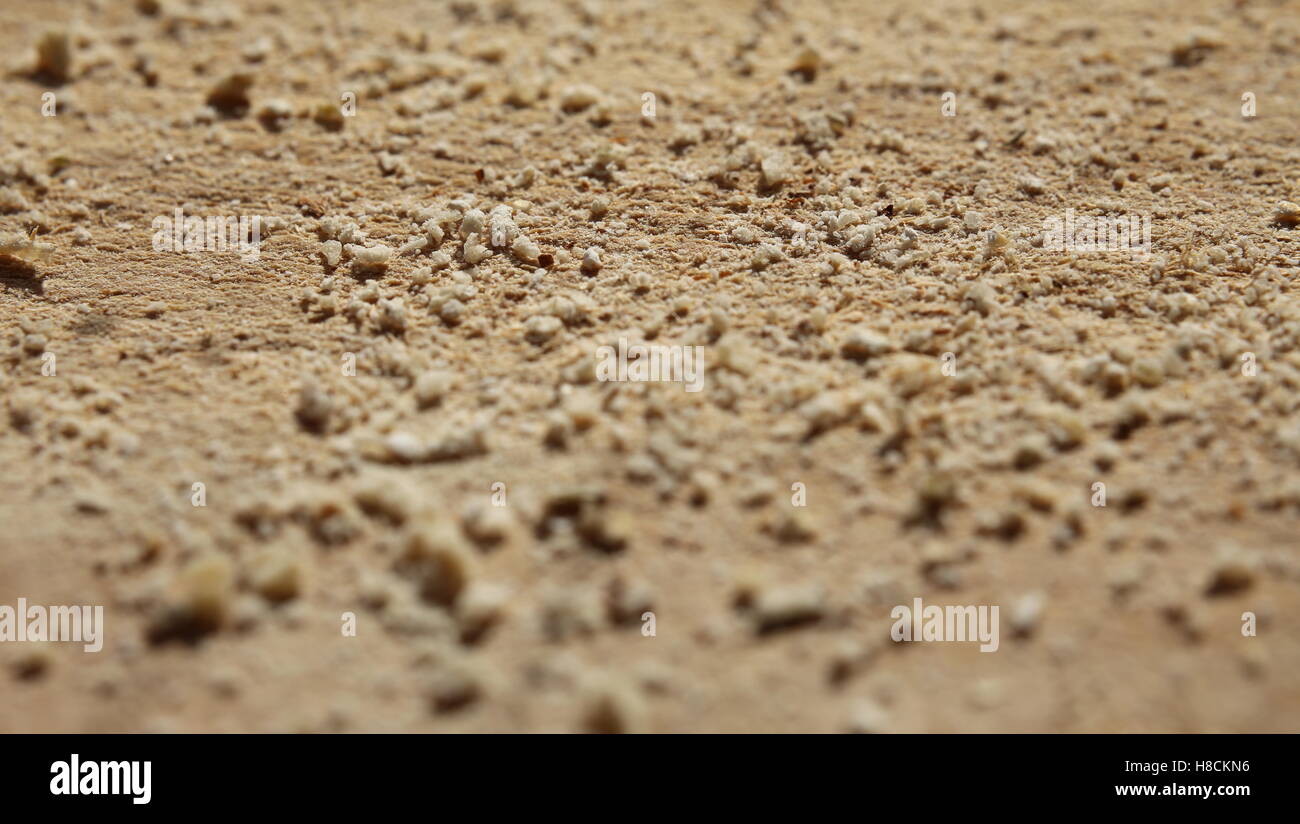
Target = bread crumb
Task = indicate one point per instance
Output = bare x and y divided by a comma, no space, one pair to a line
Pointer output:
475,252
21,246
274,114
776,608
329,116
574,99
454,687
371,257
413,246
392,315
230,96
480,607
472,223
438,558
432,387
332,252
775,170
806,64
202,596
525,249
1232,574
487,525
314,407
867,718
862,344
1286,214
385,497
54,56
452,312
1026,613
613,708
1032,185
591,261
276,575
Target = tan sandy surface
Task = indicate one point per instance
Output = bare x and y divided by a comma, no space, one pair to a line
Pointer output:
785,209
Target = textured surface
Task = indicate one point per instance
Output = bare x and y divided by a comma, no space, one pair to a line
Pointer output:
783,208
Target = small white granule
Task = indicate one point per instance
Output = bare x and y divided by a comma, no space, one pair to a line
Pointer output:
472,223
1287,213
1032,185
452,311
775,170
16,244
413,246
392,315
765,256
502,229
540,328
432,387
475,252
591,261
433,231
344,231
525,249
372,256
332,251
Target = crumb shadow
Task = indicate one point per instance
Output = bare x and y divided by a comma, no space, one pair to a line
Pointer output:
94,325
44,79
19,274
